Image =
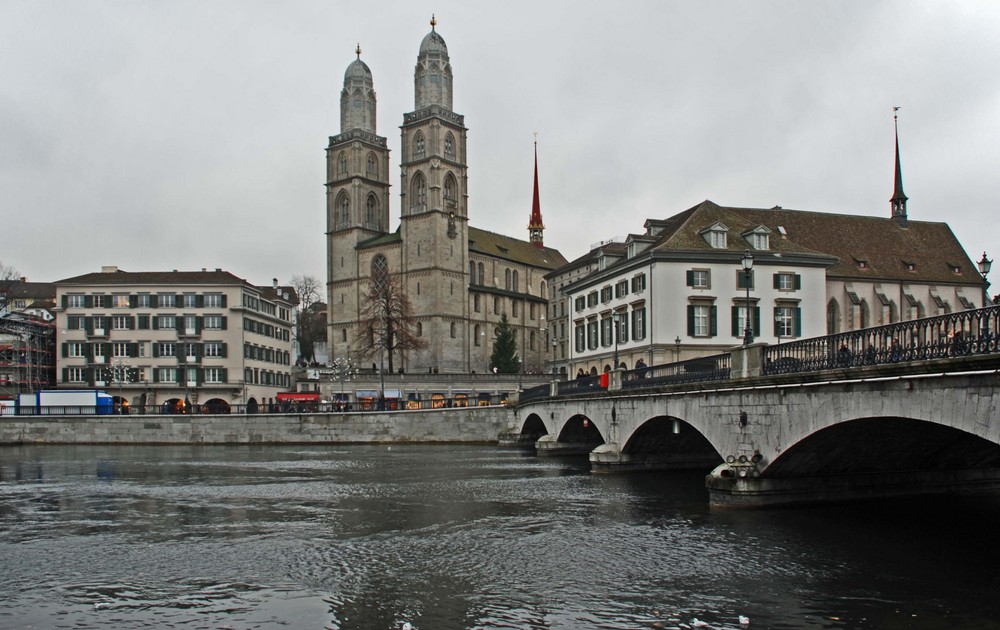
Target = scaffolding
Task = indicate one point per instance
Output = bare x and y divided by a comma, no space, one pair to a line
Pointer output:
27,355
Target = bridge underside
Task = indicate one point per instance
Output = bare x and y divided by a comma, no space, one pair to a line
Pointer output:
867,458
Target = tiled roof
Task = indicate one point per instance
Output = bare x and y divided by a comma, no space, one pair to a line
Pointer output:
885,247
524,252
155,277
17,290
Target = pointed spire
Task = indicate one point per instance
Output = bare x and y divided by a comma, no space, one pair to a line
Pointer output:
434,21
898,201
535,225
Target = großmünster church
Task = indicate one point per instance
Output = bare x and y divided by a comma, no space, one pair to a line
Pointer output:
459,279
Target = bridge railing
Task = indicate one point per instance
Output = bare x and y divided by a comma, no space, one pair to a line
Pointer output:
580,385
533,393
710,368
958,334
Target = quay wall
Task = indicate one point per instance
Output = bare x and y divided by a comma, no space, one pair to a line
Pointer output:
472,424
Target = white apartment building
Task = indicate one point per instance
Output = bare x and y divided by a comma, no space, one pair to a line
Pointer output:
177,341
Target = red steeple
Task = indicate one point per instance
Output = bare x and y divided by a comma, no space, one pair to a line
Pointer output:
535,226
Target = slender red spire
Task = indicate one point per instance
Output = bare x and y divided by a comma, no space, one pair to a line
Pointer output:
535,225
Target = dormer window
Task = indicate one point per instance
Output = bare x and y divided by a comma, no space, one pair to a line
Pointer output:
631,250
602,263
910,266
716,236
759,238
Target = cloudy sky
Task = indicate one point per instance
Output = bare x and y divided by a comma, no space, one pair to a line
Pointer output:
186,134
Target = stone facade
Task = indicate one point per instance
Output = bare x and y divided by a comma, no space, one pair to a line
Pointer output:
459,280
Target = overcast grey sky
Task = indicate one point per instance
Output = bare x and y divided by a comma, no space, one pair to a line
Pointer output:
187,134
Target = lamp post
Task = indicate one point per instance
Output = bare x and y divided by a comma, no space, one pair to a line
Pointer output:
616,317
747,262
677,348
984,268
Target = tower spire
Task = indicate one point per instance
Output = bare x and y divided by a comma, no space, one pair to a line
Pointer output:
535,226
898,201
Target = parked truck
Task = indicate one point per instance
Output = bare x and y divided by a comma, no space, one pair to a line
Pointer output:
65,402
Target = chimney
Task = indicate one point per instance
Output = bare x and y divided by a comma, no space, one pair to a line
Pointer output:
274,283
109,269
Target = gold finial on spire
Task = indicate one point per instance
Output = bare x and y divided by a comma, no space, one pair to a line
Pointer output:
895,108
358,50
433,21
536,137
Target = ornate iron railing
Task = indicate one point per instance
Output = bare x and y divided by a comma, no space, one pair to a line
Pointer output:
952,335
710,368
533,393
580,385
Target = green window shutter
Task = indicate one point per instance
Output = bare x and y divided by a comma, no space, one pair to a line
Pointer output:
130,322
199,323
798,282
223,353
223,301
156,350
65,350
777,280
143,322
775,321
65,375
65,304
156,322
798,321
88,324
88,301
225,322
756,320
690,277
154,301
179,323
690,310
156,375
736,321
199,301
713,323
133,301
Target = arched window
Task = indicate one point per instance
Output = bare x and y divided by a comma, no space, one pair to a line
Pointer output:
514,281
453,329
420,329
449,188
472,273
506,279
419,193
449,146
542,290
531,341
832,317
476,304
418,145
342,164
371,213
482,277
372,165
343,210
477,333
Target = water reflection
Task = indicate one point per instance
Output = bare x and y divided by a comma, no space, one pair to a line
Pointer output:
458,537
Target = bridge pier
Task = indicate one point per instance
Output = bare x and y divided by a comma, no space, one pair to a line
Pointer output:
609,458
550,446
726,489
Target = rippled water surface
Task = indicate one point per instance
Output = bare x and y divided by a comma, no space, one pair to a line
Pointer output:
453,537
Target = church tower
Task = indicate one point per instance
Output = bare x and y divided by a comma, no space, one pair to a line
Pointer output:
898,201
434,212
357,198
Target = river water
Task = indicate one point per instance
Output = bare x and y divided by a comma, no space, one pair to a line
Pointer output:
454,537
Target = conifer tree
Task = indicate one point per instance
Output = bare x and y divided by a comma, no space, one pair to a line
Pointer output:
504,359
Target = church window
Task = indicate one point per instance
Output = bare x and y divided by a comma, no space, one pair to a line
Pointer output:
343,334
531,341
418,146
419,193
496,305
449,146
371,213
832,317
449,188
380,272
372,165
476,302
418,288
515,308
506,279
472,273
453,329
420,329
477,334
342,164
482,278
343,210
514,282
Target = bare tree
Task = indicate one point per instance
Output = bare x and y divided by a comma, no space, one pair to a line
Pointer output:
310,325
386,319
9,278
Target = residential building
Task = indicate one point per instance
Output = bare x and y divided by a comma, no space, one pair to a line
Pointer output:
175,340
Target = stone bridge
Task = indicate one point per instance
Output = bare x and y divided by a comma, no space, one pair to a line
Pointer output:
903,427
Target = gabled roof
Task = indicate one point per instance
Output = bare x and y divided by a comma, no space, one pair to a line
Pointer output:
515,250
119,276
19,290
881,243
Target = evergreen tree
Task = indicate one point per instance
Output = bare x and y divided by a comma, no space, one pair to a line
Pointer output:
504,359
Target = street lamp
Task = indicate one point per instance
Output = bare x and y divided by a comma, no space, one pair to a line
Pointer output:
615,317
747,262
984,268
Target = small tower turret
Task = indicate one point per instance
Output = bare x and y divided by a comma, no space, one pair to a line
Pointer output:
898,201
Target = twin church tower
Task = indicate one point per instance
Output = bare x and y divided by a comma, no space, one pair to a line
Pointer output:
459,279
